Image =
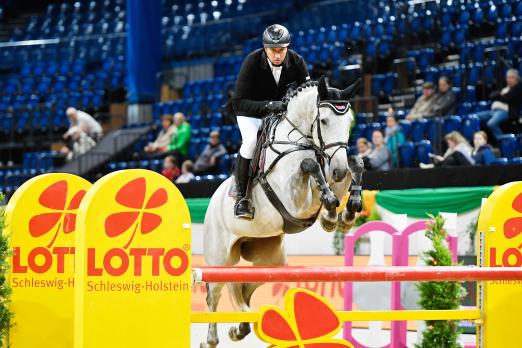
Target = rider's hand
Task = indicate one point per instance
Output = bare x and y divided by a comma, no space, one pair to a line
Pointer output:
275,106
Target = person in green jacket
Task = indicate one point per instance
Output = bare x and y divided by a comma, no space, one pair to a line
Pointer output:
179,143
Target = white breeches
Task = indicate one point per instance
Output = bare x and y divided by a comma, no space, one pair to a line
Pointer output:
248,126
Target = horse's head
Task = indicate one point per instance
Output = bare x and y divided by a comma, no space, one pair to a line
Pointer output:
325,115
331,129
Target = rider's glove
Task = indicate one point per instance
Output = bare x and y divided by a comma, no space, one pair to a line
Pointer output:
275,106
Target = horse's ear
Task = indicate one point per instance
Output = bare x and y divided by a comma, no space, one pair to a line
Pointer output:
351,90
322,88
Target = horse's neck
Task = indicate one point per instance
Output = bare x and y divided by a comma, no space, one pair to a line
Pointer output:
297,191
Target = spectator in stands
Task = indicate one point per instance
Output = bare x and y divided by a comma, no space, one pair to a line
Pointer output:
165,135
444,101
170,168
179,143
379,157
482,152
458,153
207,161
84,122
186,173
422,106
364,147
506,104
77,143
393,138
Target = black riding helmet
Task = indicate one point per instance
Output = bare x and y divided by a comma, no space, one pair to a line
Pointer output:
276,36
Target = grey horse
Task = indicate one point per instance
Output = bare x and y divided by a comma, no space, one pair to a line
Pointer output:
317,122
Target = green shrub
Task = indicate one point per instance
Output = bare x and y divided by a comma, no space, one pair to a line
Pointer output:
439,295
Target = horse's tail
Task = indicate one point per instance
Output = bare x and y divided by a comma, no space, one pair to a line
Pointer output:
235,291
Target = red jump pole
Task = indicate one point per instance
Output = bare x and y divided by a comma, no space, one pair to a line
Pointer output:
357,274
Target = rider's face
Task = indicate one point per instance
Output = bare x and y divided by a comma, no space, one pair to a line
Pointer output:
276,55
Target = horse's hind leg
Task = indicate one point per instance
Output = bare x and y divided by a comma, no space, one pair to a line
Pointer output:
238,291
213,296
261,252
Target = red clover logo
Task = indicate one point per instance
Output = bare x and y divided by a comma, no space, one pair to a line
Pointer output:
62,216
137,214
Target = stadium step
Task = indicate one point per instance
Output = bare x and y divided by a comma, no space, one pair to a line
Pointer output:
107,148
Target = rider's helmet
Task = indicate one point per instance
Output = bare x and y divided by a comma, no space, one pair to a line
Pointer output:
276,36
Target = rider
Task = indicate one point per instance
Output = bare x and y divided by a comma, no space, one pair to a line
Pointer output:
262,82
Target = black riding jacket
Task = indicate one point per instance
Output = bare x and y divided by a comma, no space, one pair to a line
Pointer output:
255,85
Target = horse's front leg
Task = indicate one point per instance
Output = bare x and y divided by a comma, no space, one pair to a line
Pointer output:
354,205
330,201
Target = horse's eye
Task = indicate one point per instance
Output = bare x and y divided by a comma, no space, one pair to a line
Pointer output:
324,121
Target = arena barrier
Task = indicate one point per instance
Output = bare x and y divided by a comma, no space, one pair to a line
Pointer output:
109,265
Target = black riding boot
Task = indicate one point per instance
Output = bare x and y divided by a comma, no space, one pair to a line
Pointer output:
243,208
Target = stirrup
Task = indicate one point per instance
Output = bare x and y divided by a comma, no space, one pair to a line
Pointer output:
247,213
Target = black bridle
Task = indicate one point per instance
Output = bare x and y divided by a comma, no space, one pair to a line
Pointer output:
340,108
304,143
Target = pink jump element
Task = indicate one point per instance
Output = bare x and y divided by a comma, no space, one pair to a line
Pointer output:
400,244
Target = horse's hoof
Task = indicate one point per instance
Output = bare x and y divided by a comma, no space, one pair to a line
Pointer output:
207,345
344,227
345,221
328,225
237,335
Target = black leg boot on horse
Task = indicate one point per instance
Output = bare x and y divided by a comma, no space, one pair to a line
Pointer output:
243,208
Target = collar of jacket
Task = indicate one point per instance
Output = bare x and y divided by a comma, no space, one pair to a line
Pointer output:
265,64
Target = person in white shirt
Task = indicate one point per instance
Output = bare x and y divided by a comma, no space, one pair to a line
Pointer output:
186,173
84,122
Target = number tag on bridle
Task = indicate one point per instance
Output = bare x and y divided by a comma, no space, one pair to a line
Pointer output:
339,107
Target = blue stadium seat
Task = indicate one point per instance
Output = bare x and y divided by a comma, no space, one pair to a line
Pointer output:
478,16
452,123
405,128
417,129
193,150
446,39
518,9
470,125
434,129
389,83
361,118
370,127
506,11
491,13
377,84
359,131
215,120
508,145
407,155
516,160
235,136
502,29
195,121
224,164
423,149
156,165
500,161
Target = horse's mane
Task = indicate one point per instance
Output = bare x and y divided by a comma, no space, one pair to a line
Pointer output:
294,92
